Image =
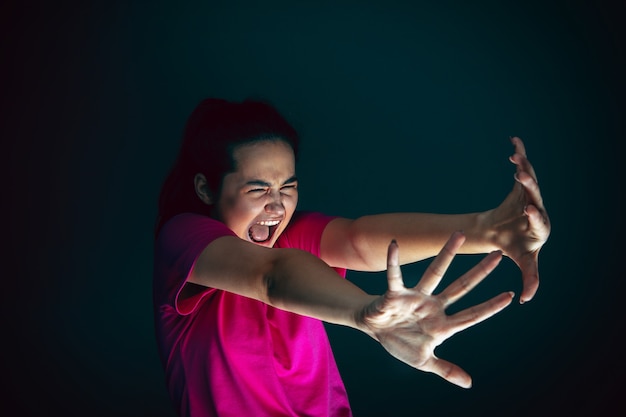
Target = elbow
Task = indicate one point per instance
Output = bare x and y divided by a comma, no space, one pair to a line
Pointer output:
274,280
363,248
268,290
284,283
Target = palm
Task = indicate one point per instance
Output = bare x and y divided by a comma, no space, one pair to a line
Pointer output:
411,322
411,328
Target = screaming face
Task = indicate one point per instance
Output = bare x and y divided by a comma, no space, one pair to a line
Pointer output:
259,198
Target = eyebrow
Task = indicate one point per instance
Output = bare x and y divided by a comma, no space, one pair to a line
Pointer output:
261,183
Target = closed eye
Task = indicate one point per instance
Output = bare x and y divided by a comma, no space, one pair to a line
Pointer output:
289,188
259,186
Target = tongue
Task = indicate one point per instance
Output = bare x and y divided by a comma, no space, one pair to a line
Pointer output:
260,233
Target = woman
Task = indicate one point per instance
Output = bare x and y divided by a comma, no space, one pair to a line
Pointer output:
243,281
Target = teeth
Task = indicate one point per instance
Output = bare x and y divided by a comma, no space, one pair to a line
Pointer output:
269,223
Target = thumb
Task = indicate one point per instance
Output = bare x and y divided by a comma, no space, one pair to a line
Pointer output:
530,276
394,274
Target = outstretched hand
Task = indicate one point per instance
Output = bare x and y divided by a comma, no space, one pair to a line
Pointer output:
521,222
411,322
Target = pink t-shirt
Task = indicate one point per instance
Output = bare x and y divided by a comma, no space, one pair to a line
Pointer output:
228,355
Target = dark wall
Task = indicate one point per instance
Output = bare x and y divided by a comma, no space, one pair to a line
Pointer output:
402,106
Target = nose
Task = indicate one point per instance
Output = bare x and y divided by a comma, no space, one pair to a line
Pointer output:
275,204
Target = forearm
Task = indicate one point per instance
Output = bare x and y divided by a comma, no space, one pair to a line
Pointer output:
301,283
289,279
420,235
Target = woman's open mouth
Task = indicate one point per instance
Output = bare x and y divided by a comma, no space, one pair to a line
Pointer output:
263,231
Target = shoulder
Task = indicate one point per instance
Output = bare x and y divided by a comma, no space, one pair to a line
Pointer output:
312,219
190,229
191,222
305,231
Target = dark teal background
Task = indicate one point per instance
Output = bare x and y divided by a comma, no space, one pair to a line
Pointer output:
402,106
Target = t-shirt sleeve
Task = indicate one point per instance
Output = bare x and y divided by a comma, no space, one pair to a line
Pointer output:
305,232
177,248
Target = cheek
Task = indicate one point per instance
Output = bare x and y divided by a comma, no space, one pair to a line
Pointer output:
293,201
244,211
235,212
290,206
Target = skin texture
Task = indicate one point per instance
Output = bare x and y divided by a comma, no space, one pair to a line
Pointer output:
264,188
518,227
409,322
532,224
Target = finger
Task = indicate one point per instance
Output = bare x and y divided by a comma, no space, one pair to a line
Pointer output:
476,314
448,371
531,188
394,275
437,268
523,165
539,222
520,158
466,282
519,145
530,277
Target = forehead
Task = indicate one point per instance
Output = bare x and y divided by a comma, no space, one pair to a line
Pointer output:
264,159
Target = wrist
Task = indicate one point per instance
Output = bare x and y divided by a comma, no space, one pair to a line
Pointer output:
360,314
483,236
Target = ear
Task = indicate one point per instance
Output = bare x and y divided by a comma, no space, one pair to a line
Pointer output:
202,189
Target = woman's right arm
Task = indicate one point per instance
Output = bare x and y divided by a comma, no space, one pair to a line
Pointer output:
289,279
409,322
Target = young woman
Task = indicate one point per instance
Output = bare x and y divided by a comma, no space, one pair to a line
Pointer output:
243,281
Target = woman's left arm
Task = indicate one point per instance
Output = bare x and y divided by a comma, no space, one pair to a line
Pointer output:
518,227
